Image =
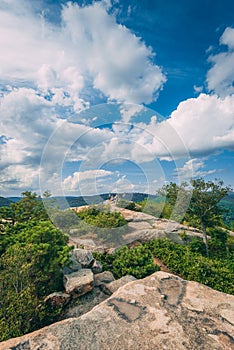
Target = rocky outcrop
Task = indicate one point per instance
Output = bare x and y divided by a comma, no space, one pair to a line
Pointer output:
159,312
141,227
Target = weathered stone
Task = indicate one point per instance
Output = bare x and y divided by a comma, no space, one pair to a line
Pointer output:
110,288
79,283
96,267
88,244
160,312
73,267
57,299
84,257
103,277
85,303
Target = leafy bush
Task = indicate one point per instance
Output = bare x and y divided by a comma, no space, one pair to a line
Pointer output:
152,208
213,272
128,205
100,216
137,262
30,269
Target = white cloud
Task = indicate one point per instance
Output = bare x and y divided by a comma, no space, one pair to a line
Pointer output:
49,71
220,77
192,168
17,178
198,89
85,182
123,185
128,111
87,49
205,124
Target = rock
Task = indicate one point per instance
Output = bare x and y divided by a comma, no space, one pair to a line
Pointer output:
79,283
112,287
85,303
96,267
159,312
88,244
73,267
102,278
57,299
84,257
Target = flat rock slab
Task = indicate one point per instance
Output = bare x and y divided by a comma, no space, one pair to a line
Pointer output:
79,283
159,312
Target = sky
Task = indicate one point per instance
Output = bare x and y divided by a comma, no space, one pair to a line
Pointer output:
115,96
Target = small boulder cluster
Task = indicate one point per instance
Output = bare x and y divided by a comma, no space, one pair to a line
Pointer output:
83,275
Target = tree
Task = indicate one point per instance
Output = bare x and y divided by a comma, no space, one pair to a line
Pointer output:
177,199
204,204
29,207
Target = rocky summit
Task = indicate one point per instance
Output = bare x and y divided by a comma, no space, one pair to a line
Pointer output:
161,311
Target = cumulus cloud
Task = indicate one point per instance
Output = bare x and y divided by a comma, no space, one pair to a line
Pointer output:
85,181
74,181
48,73
220,77
87,49
192,168
205,124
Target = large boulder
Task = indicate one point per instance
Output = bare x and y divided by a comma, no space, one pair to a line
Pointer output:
79,283
161,311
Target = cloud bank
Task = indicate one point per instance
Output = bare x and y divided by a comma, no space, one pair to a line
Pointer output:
52,71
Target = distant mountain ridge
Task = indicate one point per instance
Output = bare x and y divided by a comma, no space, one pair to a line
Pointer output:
78,201
64,202
5,202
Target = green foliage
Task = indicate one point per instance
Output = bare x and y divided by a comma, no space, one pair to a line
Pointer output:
215,273
198,202
186,261
33,252
177,199
100,216
128,205
218,242
137,262
29,207
65,219
152,208
204,204
197,245
100,224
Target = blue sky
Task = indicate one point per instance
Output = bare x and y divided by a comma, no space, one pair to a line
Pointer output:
111,95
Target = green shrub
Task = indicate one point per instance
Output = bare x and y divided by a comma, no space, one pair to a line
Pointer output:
137,262
215,273
100,216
